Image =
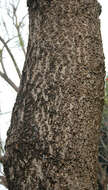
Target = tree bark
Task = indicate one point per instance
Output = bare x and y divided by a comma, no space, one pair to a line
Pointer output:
52,142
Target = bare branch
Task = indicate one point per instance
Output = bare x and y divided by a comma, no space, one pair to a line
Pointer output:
104,146
9,81
11,55
105,159
5,27
17,4
21,42
22,20
1,61
17,26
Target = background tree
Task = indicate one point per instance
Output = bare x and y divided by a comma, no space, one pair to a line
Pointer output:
52,142
103,145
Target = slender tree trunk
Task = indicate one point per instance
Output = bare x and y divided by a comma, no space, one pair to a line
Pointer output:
53,138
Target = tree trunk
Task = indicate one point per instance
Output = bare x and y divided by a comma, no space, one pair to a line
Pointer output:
52,142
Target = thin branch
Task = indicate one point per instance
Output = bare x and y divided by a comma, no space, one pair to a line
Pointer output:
105,159
1,148
1,61
9,81
22,20
11,39
104,146
17,26
21,40
17,4
11,55
1,55
5,27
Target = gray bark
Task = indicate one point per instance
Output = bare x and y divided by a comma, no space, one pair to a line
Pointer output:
52,142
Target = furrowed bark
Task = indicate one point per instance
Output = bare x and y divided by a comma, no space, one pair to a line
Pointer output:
52,142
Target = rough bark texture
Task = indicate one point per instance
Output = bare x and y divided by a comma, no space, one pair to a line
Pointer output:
52,141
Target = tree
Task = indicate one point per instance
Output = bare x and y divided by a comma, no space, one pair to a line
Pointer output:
52,143
12,41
